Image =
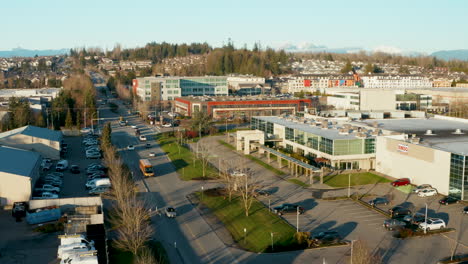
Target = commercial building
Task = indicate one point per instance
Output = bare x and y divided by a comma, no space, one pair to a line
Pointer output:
410,101
362,99
42,140
19,171
396,81
340,145
169,88
427,151
229,107
319,82
236,83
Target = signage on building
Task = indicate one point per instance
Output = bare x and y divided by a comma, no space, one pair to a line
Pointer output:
403,148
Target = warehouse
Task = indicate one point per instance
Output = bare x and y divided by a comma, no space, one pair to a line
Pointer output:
19,171
42,140
428,151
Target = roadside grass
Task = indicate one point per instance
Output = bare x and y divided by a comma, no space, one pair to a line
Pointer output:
259,224
405,189
341,180
118,256
299,182
185,161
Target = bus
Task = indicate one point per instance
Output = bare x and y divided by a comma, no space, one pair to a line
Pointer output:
146,168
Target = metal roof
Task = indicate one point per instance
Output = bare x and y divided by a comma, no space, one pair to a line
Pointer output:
18,161
34,131
284,156
330,133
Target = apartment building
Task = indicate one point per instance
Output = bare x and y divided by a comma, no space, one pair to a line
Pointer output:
169,88
396,81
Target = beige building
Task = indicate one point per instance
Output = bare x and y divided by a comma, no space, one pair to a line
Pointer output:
19,171
362,99
42,140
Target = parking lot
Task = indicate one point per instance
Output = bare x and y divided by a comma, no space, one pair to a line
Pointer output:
74,184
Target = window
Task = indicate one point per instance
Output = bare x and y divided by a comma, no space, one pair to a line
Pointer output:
289,134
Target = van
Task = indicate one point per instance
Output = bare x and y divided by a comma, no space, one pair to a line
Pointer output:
61,165
98,182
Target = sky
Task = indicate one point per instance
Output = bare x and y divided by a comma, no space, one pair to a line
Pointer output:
398,25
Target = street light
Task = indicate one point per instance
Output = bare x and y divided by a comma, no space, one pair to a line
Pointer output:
245,234
349,185
272,243
297,220
202,192
352,244
425,221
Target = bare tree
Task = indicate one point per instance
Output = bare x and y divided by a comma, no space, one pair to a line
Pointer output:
134,226
226,177
362,255
145,256
246,187
204,156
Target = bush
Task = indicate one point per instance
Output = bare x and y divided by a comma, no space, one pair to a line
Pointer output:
405,233
50,228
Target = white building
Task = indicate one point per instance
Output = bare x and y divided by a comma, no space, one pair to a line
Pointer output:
168,88
235,82
396,81
362,99
19,171
307,84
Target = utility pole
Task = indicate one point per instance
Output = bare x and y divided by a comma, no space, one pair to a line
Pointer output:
297,220
349,185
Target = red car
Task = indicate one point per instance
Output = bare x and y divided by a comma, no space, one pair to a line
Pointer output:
401,182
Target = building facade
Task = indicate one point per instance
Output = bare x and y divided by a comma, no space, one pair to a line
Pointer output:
343,146
169,88
228,107
396,81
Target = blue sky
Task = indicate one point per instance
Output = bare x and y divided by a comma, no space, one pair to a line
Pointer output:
409,25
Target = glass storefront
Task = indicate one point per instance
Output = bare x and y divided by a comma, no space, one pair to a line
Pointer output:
458,182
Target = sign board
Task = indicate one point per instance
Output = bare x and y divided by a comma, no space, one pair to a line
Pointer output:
403,148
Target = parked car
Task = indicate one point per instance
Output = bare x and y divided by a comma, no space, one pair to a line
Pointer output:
93,155
401,182
46,164
427,193
399,211
326,237
61,165
421,187
134,126
130,147
99,190
379,200
46,195
170,212
74,169
449,200
57,174
465,210
167,125
53,182
143,138
152,154
288,209
122,123
392,224
261,192
52,177
432,224
148,145
48,188
97,182
19,209
415,219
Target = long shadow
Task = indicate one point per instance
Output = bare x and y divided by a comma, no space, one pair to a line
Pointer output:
345,229
433,214
323,227
308,204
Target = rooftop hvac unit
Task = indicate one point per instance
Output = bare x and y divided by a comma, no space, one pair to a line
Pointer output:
324,127
343,131
429,133
415,140
361,135
458,132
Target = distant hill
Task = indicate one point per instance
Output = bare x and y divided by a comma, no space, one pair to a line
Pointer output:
461,54
19,52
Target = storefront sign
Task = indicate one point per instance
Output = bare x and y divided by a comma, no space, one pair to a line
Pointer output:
402,148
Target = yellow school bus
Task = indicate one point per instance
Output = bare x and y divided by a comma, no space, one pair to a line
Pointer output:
146,168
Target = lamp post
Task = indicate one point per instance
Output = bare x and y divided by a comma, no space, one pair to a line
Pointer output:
352,244
349,185
297,220
245,234
425,221
202,192
272,243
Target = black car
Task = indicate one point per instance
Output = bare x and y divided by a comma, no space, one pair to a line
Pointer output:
401,213
326,237
260,192
465,210
74,169
395,209
19,209
288,209
415,219
449,200
148,145
392,224
379,200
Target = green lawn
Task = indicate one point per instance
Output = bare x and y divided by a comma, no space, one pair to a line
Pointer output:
299,182
341,180
187,167
117,256
405,189
259,224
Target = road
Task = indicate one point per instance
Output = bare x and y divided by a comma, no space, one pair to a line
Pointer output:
187,238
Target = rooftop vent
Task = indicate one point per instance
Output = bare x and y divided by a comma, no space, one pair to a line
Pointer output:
343,131
361,135
415,140
429,133
458,132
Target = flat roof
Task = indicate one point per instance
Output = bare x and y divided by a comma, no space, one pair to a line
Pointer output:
34,131
17,161
331,133
443,136
199,99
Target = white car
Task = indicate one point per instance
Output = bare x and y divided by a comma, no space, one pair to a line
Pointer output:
152,154
130,147
432,224
170,212
422,187
134,126
167,125
427,192
143,138
46,195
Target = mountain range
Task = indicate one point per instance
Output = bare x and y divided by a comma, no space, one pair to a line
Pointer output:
461,54
20,52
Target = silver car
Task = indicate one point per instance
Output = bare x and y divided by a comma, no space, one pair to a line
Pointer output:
170,212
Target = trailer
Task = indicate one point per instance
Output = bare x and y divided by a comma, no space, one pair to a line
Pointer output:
43,215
